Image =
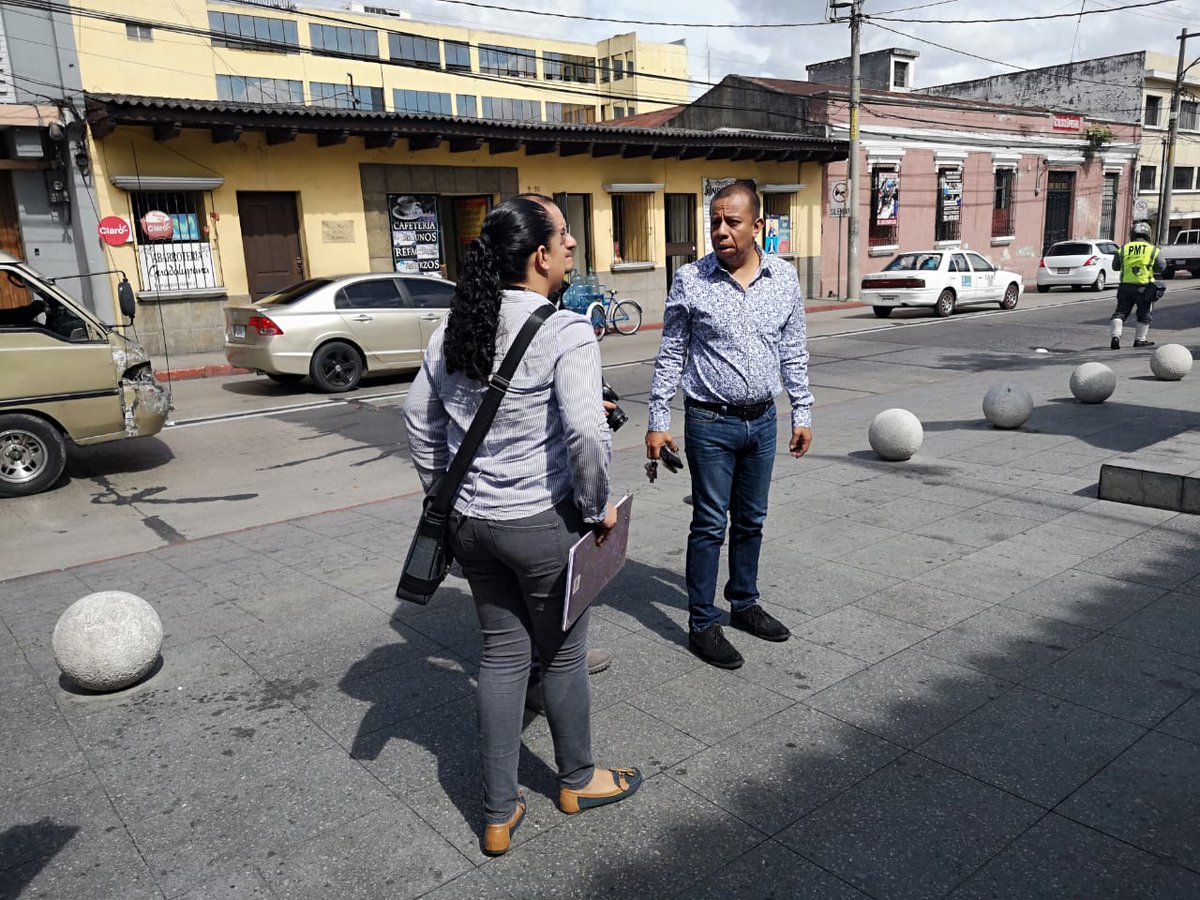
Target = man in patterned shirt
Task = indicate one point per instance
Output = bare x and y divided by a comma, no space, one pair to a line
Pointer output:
734,335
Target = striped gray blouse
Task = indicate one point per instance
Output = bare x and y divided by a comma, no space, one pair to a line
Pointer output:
549,440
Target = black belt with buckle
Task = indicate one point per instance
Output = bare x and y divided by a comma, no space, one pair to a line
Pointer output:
745,413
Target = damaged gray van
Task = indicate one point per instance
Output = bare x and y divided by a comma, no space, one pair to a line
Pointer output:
64,376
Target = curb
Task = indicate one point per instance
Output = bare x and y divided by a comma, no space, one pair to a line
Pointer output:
201,372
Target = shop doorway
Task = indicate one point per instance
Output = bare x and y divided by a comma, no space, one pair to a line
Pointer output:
681,232
577,210
1060,197
460,220
271,240
11,296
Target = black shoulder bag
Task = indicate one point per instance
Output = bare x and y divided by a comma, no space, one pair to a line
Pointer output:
429,556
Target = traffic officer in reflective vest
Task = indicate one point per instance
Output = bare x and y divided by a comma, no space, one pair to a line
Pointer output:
1138,263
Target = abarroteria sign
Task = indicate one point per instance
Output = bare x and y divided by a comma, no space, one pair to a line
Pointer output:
178,266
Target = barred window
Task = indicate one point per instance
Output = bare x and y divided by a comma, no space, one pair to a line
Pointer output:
348,41
1148,178
884,228
340,96
422,102
1183,178
240,32
418,51
949,204
508,61
1002,203
186,260
631,228
244,89
1187,115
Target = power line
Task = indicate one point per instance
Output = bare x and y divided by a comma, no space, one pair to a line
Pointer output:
1070,15
582,18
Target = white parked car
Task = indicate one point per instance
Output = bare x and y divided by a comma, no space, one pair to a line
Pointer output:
1078,264
942,279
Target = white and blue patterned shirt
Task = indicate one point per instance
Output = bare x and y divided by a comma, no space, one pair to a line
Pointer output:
549,439
733,345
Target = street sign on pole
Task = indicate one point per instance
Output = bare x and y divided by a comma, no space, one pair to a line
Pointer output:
1141,210
839,191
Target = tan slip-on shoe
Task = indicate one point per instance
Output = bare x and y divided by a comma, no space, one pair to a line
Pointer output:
498,838
607,786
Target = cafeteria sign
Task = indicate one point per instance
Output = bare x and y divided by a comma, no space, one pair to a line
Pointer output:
416,244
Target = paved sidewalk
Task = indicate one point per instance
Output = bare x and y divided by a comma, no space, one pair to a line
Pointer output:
991,690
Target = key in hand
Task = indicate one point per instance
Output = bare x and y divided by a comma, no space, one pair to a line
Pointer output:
652,470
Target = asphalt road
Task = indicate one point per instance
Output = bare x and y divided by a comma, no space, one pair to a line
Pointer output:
242,451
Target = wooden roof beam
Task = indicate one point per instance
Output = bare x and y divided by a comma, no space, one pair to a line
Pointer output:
281,135
424,141
573,148
599,150
379,140
465,144
332,138
504,145
537,148
224,134
693,153
636,150
165,131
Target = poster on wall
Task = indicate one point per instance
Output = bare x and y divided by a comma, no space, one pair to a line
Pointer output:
710,187
951,194
469,213
416,244
887,193
777,235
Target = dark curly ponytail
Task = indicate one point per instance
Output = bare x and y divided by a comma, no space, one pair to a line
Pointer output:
511,233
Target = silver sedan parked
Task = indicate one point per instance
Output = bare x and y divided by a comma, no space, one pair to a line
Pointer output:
1078,264
335,330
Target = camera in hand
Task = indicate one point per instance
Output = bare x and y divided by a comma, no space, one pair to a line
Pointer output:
616,417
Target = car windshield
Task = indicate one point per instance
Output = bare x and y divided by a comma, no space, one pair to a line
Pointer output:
292,293
910,262
1071,248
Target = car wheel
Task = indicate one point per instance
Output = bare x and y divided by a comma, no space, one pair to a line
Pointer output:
945,304
1169,272
882,312
285,377
32,455
336,367
1011,296
1043,288
1098,284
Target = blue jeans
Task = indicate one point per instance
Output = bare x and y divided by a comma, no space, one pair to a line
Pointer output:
731,462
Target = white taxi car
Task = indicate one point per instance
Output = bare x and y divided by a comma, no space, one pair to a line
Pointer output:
942,279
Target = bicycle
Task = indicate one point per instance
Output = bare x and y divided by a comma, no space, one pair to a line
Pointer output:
610,314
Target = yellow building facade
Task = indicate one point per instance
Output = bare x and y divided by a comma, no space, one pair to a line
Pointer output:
354,58
1156,107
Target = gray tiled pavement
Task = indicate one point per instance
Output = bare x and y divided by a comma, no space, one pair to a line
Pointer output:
992,690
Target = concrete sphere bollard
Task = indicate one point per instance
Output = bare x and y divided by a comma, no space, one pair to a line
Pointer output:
107,640
1093,382
896,434
1171,362
1007,405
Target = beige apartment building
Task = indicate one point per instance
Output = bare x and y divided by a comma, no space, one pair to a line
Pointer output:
369,58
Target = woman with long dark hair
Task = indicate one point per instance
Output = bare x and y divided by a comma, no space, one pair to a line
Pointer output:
538,484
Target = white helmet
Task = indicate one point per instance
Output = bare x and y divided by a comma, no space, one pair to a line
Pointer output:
1140,230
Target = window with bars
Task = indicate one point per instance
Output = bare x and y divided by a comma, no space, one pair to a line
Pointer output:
1147,178
348,41
632,228
340,96
458,56
508,109
240,32
949,205
1108,206
415,50
507,61
184,261
1002,203
245,89
884,227
568,67
1183,178
422,102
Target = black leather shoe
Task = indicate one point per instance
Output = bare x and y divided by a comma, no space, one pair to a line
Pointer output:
710,645
760,623
1114,344
1143,343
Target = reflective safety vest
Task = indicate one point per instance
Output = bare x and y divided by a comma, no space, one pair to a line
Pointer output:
1137,262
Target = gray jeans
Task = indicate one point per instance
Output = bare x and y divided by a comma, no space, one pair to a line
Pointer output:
517,573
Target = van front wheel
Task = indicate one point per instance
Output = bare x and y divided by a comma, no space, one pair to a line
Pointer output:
32,455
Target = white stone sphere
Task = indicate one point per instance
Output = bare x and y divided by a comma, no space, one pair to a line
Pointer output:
896,434
1171,362
1007,405
1093,382
107,640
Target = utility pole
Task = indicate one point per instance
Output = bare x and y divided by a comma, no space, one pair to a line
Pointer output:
1168,176
852,201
